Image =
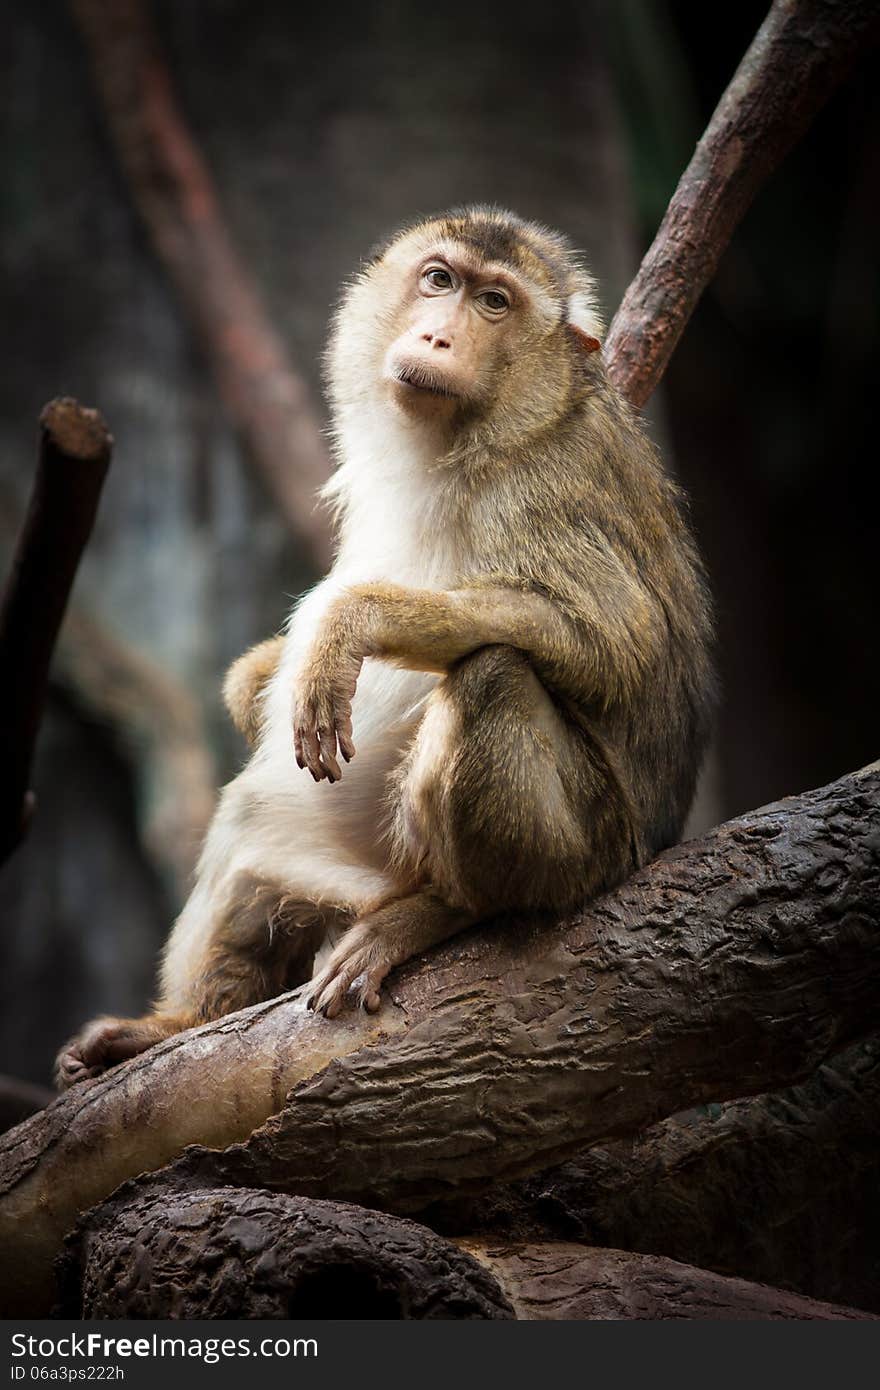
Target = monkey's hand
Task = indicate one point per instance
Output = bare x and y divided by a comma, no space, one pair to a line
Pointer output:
322,710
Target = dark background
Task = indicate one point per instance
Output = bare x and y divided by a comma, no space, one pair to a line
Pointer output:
325,127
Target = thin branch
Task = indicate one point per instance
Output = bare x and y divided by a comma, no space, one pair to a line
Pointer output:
74,456
800,54
172,188
731,965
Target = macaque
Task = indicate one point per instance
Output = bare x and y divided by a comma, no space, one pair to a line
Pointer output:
499,697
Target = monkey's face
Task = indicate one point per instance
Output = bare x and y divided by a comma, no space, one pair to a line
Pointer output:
466,320
458,319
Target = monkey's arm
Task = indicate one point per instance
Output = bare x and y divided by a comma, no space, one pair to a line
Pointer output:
590,658
245,682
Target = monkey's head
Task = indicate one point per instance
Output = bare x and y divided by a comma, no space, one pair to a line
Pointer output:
468,318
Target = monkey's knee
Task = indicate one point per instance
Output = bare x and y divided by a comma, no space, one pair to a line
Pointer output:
261,940
486,807
245,683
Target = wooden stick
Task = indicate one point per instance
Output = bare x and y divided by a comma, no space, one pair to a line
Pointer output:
74,456
800,54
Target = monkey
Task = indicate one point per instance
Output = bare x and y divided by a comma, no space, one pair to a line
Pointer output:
498,699
245,682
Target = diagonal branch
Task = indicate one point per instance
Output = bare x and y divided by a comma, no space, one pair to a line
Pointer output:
172,188
732,965
800,54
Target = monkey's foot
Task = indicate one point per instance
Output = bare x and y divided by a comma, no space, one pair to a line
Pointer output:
363,956
106,1041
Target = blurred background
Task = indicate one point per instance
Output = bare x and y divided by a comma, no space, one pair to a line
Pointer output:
324,127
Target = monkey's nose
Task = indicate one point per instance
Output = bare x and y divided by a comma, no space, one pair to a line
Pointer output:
436,340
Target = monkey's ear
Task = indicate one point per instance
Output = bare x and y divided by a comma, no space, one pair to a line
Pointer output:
584,322
585,341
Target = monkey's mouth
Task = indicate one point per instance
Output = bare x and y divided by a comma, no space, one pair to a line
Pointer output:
419,378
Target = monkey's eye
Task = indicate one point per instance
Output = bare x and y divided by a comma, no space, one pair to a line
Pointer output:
437,278
494,301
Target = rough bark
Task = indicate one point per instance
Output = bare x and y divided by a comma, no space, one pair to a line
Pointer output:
75,449
731,965
172,189
552,1281
801,1168
800,54
153,1252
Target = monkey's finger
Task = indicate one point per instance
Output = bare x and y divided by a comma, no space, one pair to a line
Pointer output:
331,987
312,750
343,729
327,735
300,740
331,766
371,1001
368,990
329,1000
319,986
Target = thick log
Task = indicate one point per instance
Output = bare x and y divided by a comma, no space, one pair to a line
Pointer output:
171,186
153,1252
782,1188
800,54
553,1281
156,1250
75,449
731,965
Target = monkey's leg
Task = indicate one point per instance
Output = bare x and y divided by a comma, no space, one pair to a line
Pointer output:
502,803
384,938
106,1041
245,685
258,944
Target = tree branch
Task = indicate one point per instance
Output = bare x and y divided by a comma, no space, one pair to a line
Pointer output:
800,54
172,189
154,1251
157,1250
554,1280
75,449
731,965
806,1220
